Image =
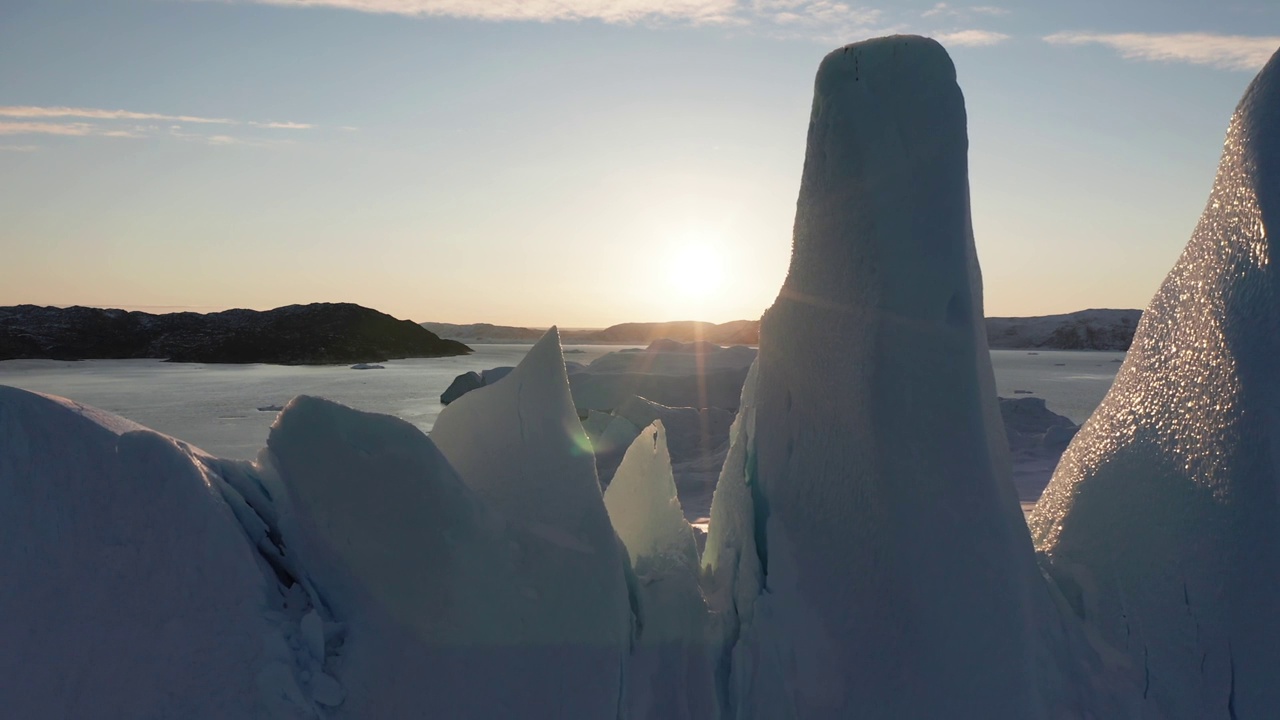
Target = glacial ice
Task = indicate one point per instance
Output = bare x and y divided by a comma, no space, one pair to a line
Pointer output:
643,506
518,444
699,375
461,385
130,589
1161,522
669,673
866,555
897,578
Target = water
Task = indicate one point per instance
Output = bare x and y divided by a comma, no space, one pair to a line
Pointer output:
216,407
1072,382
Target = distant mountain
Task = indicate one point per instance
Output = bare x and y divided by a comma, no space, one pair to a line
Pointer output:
484,332
737,332
1083,330
316,334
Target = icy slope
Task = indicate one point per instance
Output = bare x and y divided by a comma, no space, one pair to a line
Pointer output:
1161,522
129,588
669,672
418,571
518,444
898,577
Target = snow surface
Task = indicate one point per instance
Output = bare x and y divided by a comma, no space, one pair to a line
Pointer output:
1160,524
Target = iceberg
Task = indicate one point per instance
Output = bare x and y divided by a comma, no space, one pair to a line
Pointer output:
461,385
896,576
518,444
669,672
1161,522
130,587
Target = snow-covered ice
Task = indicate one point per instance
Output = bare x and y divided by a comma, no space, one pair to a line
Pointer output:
1161,522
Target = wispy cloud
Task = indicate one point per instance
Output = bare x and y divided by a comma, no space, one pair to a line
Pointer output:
45,128
19,148
283,125
825,21
33,112
947,10
1228,52
72,122
971,38
611,11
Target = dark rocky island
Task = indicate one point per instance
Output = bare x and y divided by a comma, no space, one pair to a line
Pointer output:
315,334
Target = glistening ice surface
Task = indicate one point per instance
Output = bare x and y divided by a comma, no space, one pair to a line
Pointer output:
1160,523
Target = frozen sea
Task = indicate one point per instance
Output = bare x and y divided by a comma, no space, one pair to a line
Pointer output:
216,407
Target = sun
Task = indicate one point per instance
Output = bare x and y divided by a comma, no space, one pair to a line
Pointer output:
696,270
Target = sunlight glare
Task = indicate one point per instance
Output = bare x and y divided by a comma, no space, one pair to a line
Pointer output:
697,269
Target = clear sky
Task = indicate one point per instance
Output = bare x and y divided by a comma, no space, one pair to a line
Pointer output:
580,162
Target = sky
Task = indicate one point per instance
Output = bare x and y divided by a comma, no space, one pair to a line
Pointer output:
573,162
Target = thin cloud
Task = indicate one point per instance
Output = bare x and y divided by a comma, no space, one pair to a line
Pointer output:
32,112
283,125
939,10
832,17
971,38
71,122
42,128
818,20
825,21
943,9
1226,52
610,11
19,148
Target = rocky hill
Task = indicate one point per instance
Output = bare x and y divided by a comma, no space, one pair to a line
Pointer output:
737,332
1083,330
484,332
315,334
